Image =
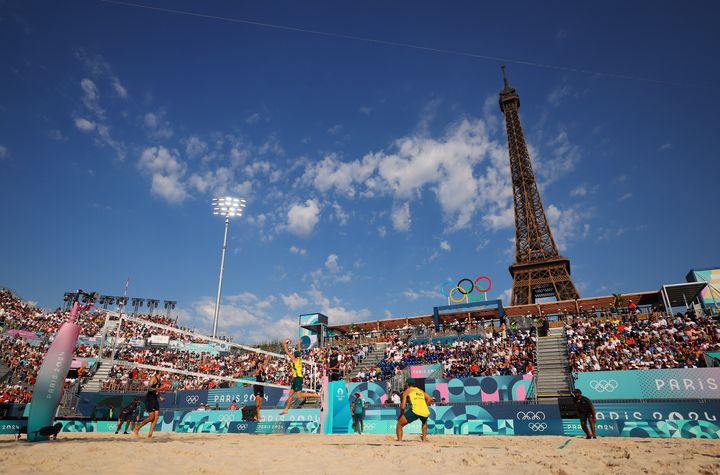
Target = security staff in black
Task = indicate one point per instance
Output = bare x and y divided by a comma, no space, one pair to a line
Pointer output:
586,413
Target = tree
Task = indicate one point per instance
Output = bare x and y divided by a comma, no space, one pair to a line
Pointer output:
618,300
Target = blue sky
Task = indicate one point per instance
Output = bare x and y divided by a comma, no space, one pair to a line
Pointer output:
372,172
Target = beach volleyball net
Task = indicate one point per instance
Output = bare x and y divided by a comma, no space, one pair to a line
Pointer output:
134,347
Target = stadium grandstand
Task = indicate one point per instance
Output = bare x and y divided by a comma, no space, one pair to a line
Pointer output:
625,332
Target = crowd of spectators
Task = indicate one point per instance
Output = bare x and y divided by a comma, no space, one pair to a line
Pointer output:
473,349
16,314
495,351
629,342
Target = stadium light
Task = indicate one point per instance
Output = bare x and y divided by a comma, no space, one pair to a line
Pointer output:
152,305
169,305
228,207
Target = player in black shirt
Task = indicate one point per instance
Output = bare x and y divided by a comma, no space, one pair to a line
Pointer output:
586,412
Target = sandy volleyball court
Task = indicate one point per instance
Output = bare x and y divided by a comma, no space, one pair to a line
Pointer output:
349,454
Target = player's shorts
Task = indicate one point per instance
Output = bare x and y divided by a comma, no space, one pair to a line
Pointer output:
126,416
584,417
259,391
359,417
297,384
412,417
151,402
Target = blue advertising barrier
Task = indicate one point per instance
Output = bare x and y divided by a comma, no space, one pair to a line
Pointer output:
298,421
682,383
698,419
97,404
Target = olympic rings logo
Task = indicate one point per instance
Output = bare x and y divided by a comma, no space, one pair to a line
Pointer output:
531,416
227,418
241,426
537,426
192,399
604,386
464,289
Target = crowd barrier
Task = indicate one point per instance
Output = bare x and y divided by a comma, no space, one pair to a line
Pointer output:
298,421
682,383
97,404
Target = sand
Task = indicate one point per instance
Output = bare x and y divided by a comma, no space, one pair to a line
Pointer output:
349,454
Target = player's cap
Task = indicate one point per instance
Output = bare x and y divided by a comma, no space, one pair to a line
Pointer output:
297,353
411,381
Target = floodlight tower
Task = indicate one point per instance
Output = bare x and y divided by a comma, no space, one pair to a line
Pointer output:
230,208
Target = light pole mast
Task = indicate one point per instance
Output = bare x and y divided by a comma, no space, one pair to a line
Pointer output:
229,208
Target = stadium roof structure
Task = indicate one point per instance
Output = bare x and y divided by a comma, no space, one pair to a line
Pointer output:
546,308
680,295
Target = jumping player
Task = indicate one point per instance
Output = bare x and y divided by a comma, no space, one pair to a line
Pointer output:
297,374
152,404
418,409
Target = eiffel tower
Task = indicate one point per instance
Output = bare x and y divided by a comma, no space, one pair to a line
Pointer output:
539,270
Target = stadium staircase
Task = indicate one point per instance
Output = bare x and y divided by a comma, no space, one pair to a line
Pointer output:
94,384
5,372
371,360
553,383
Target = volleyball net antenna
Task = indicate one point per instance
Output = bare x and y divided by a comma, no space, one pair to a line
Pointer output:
194,358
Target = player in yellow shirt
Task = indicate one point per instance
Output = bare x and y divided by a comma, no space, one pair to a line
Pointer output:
418,409
296,367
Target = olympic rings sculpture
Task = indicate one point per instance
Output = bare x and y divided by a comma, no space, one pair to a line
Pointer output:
465,287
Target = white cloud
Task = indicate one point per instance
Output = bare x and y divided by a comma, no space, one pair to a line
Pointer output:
253,119
335,129
195,147
401,219
230,315
445,246
665,146
301,219
169,187
411,294
626,196
340,214
445,165
365,110
150,120
335,310
564,156
566,225
156,126
219,181
579,191
55,134
97,120
166,171
294,301
298,250
331,263
382,232
84,124
3,151
558,94
120,89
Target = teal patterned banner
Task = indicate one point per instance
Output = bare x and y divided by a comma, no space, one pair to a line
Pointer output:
683,383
